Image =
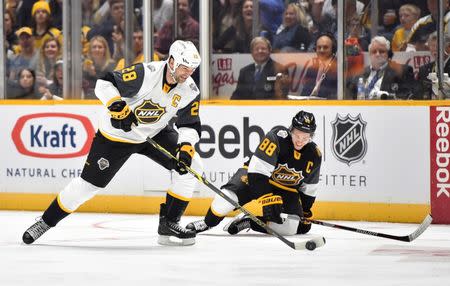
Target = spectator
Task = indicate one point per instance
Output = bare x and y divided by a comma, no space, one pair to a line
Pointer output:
227,16
188,30
110,24
138,46
23,12
291,36
384,78
56,8
163,12
237,38
55,90
97,64
263,79
320,73
10,37
28,56
389,25
271,15
24,86
42,23
408,14
425,26
427,76
50,53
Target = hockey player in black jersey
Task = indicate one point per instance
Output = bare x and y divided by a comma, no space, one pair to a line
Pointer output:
282,176
144,97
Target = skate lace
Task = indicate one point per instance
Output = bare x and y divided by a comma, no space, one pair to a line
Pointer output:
244,224
37,229
177,227
200,225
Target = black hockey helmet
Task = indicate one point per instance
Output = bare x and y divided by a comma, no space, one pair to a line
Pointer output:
304,121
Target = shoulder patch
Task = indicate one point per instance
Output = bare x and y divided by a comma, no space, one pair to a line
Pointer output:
151,67
282,133
193,86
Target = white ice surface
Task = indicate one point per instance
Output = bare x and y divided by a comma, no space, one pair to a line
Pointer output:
110,249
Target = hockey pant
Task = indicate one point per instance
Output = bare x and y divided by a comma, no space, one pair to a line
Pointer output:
237,188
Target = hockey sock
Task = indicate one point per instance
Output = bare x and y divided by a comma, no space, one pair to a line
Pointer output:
211,219
54,213
175,208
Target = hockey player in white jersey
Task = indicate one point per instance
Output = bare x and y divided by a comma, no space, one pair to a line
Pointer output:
146,96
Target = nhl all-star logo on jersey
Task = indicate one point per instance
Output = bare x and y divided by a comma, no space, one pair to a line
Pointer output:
349,143
149,112
287,176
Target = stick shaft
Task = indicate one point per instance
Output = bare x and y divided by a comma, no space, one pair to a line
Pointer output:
407,238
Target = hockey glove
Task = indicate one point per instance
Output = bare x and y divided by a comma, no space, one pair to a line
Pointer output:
304,226
271,207
185,153
121,116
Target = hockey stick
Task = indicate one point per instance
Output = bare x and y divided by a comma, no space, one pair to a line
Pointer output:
309,244
408,238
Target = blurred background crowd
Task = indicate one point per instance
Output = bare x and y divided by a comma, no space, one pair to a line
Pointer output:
264,30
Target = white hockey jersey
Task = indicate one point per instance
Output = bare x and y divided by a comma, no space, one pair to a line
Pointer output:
154,102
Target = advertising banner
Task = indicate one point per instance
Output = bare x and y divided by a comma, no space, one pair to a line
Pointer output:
372,154
440,163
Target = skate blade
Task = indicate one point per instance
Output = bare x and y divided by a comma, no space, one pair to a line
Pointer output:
175,241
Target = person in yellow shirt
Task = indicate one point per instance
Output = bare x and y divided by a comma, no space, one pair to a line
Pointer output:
138,45
408,14
42,28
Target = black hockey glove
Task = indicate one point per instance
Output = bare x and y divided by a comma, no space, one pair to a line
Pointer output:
185,153
304,226
121,116
271,207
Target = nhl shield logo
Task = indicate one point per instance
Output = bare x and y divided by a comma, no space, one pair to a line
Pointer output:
348,142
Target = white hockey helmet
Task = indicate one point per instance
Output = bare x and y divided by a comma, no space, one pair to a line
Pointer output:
184,53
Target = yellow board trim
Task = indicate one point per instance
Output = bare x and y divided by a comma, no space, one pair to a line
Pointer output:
405,213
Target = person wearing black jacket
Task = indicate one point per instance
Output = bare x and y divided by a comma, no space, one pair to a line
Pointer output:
263,79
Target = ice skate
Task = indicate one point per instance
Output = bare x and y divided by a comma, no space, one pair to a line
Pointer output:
198,226
172,233
238,225
35,231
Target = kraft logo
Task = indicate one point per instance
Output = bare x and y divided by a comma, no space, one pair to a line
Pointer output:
349,144
53,135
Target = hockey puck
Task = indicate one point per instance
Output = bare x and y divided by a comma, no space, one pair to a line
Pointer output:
310,245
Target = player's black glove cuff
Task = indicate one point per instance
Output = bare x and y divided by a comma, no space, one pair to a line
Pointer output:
185,153
305,226
122,117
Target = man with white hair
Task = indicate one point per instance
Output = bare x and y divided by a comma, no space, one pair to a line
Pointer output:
384,78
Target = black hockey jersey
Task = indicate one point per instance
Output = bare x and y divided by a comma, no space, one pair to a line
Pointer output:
287,168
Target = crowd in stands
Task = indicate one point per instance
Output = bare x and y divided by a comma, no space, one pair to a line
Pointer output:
33,40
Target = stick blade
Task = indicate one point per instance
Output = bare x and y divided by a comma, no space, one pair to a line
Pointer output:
423,226
310,244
